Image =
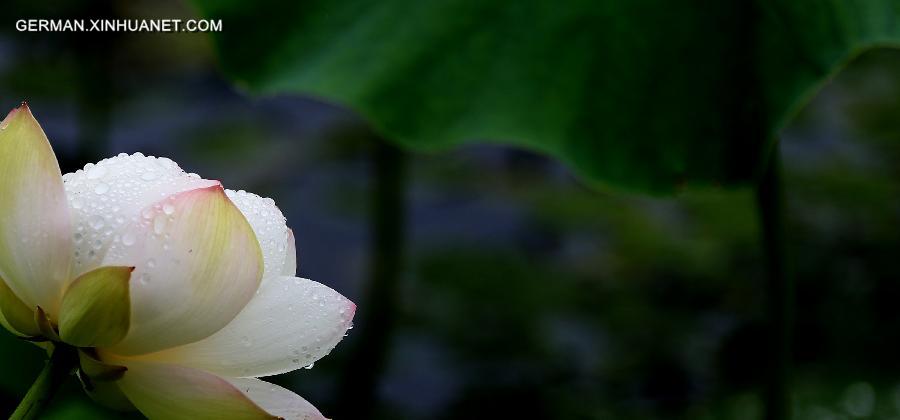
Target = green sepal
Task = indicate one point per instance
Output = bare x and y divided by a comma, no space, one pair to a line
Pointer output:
96,370
45,325
17,314
96,308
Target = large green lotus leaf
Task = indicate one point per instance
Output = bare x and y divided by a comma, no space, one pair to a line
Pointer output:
646,94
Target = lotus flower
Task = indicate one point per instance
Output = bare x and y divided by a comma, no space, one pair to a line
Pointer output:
176,293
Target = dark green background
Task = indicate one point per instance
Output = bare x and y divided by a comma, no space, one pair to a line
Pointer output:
523,292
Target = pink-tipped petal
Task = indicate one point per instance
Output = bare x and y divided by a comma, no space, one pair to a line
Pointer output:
291,323
110,195
35,225
197,264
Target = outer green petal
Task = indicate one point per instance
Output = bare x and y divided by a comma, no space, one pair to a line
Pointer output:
96,309
35,225
169,392
16,316
197,262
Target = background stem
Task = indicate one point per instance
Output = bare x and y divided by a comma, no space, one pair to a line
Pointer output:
58,367
779,290
375,321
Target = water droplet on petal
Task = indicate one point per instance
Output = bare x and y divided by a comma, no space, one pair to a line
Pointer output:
96,172
97,222
128,239
101,188
159,224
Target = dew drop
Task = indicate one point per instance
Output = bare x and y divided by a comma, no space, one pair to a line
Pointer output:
151,263
101,188
97,222
159,224
96,172
149,176
168,208
128,239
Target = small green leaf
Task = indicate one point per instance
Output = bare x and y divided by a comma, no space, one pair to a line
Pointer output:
96,309
16,313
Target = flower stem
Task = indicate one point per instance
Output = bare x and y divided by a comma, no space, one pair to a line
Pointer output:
357,390
61,362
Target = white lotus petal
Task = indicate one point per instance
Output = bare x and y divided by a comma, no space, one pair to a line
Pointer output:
291,323
169,392
111,194
290,259
197,264
269,226
35,225
276,400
